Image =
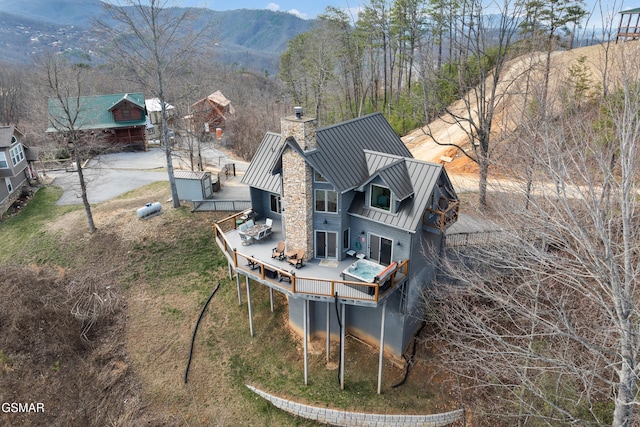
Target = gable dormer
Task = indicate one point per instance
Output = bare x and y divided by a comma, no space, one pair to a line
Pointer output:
128,109
388,185
12,152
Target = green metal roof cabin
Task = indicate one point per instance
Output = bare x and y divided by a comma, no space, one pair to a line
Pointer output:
121,117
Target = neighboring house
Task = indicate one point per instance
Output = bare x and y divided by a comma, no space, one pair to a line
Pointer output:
352,199
210,114
122,118
16,166
154,118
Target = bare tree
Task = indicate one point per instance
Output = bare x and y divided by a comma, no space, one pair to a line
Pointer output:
153,43
307,67
12,95
66,108
487,43
543,316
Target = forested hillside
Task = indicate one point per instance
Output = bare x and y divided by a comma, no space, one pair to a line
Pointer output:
251,39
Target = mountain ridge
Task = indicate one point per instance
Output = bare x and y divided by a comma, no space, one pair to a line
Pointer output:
249,38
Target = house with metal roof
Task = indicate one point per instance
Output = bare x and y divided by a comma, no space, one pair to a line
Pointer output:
121,119
16,166
363,213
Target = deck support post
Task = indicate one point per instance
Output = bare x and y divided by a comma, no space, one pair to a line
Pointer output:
239,290
271,298
342,346
305,319
328,344
249,305
381,359
230,271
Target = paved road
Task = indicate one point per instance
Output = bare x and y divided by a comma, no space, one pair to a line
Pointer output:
112,175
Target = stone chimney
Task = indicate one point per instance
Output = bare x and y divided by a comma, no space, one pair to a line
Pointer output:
297,183
303,129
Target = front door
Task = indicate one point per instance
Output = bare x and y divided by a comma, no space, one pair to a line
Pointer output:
380,249
326,244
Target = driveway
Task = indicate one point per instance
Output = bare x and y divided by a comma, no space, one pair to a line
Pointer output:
112,175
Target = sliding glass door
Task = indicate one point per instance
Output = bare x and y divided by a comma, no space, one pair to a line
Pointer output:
326,245
380,249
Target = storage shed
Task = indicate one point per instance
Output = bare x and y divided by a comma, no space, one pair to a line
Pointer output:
195,185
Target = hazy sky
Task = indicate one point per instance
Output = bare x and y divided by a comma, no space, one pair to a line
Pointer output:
309,9
306,9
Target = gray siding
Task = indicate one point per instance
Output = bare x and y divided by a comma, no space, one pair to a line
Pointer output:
261,203
363,322
399,252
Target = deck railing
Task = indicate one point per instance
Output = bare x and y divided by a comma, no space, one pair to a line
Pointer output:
294,283
443,218
221,205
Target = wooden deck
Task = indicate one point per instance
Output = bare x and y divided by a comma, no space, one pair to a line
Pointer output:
317,279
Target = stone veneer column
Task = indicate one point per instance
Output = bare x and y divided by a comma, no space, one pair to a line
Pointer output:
297,184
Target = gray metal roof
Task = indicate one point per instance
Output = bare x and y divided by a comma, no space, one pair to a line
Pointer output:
423,176
398,179
6,132
340,156
392,171
259,173
351,154
194,175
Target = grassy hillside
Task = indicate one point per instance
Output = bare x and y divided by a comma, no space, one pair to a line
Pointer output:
146,282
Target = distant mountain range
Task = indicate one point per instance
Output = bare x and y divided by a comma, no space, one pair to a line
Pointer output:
252,39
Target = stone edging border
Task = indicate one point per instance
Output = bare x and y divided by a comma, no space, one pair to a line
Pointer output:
343,418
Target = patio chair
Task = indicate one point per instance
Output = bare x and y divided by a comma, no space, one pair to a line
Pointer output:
298,259
246,239
250,223
269,222
261,234
278,251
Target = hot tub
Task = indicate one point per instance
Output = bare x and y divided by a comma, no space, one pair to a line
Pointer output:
369,272
363,270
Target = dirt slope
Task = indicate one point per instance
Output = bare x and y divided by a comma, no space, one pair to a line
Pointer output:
601,60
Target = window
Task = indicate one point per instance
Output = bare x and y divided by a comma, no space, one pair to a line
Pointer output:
345,239
380,249
275,202
319,178
326,201
3,161
17,154
125,113
380,197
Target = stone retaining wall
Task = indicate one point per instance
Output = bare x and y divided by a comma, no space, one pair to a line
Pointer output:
343,418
